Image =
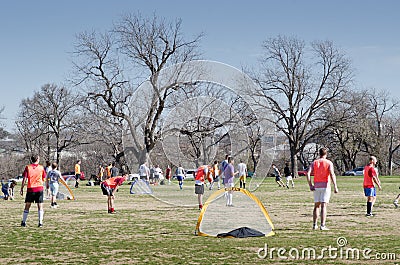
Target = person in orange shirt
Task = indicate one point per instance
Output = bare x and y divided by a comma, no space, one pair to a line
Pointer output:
371,177
109,187
35,175
201,174
215,174
77,173
108,171
323,175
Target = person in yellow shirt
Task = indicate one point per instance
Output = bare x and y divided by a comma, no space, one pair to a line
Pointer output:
34,175
77,173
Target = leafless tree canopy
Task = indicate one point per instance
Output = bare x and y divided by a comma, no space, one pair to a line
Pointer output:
150,45
300,86
49,120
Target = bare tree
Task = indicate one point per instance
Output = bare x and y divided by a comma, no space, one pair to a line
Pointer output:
150,45
49,119
299,90
381,143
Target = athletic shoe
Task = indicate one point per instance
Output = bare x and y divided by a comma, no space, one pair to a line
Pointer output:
369,215
40,225
323,227
315,227
287,186
23,224
396,205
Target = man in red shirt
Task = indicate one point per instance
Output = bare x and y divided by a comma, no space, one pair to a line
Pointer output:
201,174
109,188
35,175
371,177
323,175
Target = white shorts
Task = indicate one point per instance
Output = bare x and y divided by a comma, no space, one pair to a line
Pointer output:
322,194
289,178
229,185
54,188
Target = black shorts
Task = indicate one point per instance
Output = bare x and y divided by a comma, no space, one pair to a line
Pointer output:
199,189
36,197
106,190
77,176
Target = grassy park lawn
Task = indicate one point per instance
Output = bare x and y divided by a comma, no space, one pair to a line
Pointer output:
147,230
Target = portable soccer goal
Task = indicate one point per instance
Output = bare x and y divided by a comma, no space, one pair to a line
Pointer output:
64,191
140,186
246,218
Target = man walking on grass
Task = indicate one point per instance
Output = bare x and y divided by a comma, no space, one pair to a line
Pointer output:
371,177
323,176
34,175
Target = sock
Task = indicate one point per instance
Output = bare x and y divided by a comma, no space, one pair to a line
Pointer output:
230,196
40,214
244,185
369,207
25,216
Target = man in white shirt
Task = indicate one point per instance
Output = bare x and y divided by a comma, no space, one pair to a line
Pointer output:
242,168
144,172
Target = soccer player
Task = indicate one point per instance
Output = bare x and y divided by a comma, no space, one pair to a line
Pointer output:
144,172
371,177
180,175
114,170
201,174
109,187
157,174
224,163
8,189
52,183
215,174
278,177
77,173
323,176
108,170
168,174
229,183
242,168
288,175
34,175
100,173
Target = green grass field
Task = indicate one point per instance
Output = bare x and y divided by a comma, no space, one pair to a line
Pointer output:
148,231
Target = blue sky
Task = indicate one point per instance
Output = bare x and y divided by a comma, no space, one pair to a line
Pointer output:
37,36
